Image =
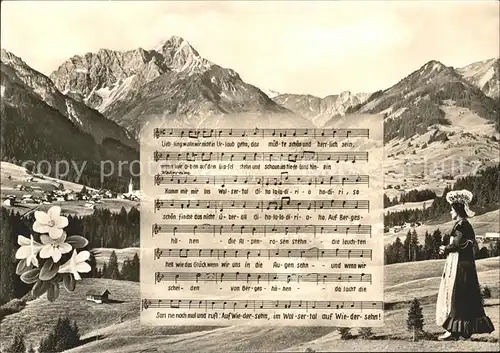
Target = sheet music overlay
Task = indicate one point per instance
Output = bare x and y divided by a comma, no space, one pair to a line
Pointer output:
262,225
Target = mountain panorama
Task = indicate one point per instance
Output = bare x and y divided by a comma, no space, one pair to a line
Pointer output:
101,99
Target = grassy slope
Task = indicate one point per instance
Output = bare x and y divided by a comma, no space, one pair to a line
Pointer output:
119,329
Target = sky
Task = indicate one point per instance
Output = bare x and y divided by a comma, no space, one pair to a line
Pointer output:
306,47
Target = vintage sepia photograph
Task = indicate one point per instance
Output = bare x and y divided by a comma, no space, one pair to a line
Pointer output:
250,176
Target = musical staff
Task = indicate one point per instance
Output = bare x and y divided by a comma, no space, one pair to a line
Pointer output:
254,305
285,203
220,133
311,253
307,156
264,180
252,277
230,229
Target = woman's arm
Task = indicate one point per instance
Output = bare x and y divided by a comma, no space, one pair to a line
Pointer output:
457,242
460,241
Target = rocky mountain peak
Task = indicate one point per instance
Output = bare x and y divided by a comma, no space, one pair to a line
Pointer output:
179,55
9,58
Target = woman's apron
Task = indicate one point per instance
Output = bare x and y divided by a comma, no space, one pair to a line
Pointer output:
445,294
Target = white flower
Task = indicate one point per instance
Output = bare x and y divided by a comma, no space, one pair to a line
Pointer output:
54,247
76,264
28,250
51,222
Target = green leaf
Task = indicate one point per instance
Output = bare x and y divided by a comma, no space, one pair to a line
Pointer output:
77,242
30,276
39,288
69,282
22,267
49,270
53,291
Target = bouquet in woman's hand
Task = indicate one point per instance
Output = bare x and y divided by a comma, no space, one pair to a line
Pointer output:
52,257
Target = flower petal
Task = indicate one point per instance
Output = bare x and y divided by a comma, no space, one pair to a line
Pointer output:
82,256
55,233
23,241
83,267
61,222
45,239
34,261
63,237
46,251
54,213
40,228
56,255
42,217
77,241
65,248
77,276
23,252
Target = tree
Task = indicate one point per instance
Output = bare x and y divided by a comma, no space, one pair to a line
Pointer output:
414,246
415,320
31,349
131,269
366,332
17,345
64,336
104,272
47,344
408,247
113,270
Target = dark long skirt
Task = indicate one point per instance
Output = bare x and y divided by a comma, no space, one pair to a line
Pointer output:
467,314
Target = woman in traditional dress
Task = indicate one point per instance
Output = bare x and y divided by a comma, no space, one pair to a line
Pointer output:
459,308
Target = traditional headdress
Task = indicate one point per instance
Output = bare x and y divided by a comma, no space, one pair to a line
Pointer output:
463,197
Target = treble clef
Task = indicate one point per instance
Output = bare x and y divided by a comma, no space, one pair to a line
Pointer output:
145,304
156,228
158,179
158,277
156,133
158,253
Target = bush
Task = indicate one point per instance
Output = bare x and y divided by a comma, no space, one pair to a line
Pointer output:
345,333
485,293
18,345
12,307
366,332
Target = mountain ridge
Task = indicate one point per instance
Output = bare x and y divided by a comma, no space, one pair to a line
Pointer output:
84,117
170,80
